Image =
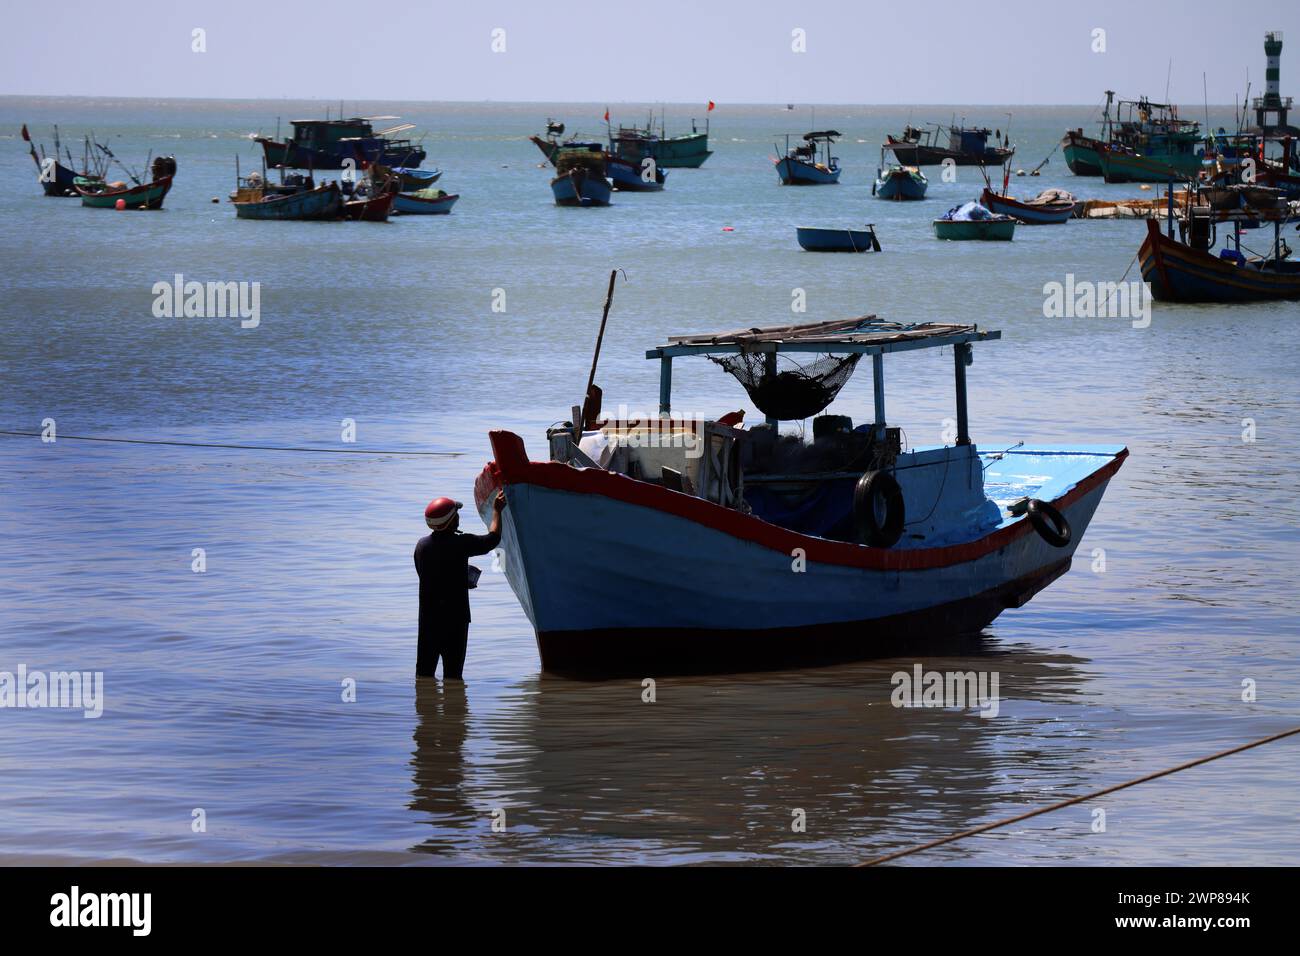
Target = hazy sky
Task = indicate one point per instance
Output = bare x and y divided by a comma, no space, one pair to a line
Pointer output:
687,51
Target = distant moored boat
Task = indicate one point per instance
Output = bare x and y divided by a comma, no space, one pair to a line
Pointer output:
800,165
148,195
899,182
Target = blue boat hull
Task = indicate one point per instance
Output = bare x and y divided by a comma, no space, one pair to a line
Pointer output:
57,179
627,177
837,240
310,204
792,172
417,206
575,189
904,187
669,556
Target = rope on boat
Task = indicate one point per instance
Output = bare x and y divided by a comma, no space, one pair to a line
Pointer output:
203,444
1080,799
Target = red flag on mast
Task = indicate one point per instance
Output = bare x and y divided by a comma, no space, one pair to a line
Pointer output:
710,109
26,136
606,114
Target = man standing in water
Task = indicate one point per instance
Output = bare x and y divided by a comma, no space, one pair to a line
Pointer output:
442,562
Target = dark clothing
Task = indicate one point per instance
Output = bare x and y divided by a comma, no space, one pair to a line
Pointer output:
447,640
442,562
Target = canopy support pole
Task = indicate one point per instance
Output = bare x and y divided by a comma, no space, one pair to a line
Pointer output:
665,384
961,357
878,384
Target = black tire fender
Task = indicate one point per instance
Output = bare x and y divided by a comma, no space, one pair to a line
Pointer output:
1049,523
878,510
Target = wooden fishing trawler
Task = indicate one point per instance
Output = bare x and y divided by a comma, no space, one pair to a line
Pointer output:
580,179
141,195
1187,270
624,175
709,547
295,198
967,146
687,150
333,143
800,165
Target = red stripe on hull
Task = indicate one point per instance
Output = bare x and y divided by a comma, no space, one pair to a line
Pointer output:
513,467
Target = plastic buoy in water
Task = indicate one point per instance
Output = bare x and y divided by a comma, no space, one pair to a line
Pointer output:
120,204
728,228
216,199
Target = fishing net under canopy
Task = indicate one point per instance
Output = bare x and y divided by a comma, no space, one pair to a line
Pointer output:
791,389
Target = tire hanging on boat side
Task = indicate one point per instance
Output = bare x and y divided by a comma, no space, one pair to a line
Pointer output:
878,510
1049,523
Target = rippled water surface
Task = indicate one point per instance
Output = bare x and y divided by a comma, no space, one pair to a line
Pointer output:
224,689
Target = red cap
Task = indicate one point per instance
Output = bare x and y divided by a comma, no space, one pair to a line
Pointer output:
440,511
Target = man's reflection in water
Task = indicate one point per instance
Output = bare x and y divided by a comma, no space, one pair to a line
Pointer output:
437,764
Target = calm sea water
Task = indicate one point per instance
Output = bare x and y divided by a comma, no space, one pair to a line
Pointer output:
224,689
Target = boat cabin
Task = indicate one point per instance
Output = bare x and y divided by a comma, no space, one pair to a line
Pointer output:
327,134
826,486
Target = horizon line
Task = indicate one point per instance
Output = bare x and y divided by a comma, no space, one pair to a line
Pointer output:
529,102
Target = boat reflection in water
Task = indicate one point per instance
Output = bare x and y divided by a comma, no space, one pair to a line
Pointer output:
715,768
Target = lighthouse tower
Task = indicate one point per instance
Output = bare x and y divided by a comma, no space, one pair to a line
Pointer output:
1272,107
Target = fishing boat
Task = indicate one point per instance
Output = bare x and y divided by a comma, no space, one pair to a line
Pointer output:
688,150
710,547
1187,270
580,179
425,202
55,178
148,195
899,182
254,198
1080,151
967,146
412,180
334,143
624,175
1048,208
800,165
1176,160
1267,160
816,239
973,221
370,208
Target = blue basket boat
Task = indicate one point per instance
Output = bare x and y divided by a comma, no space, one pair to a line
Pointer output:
815,239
